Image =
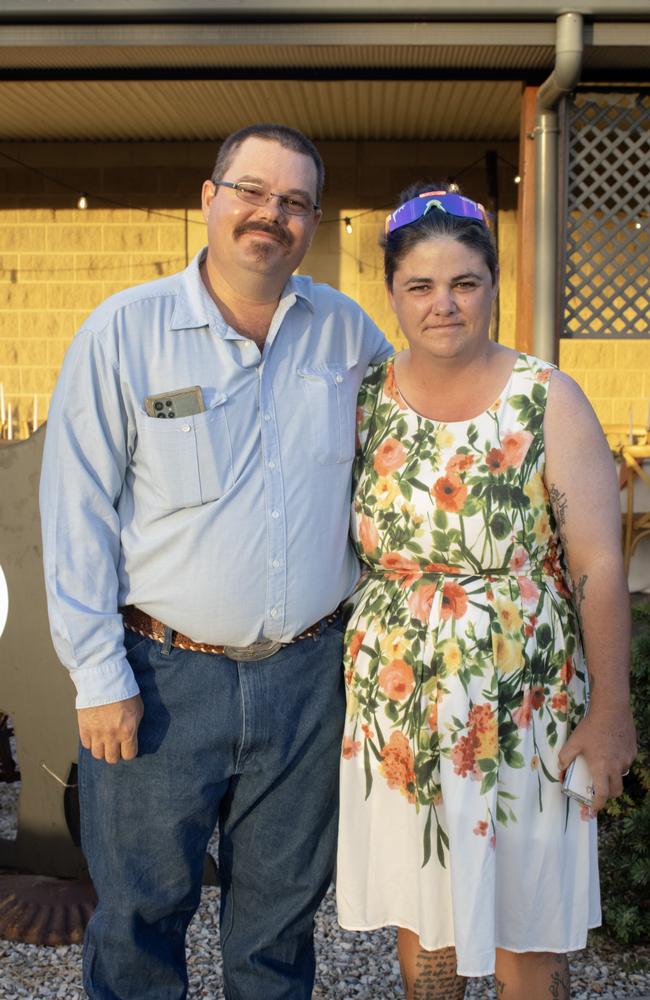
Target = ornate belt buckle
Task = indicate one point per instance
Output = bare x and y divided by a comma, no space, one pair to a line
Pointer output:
259,650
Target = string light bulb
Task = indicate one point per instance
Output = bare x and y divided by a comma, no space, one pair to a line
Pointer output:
83,201
454,187
517,179
348,225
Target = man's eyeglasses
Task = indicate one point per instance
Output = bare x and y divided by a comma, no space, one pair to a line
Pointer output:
255,194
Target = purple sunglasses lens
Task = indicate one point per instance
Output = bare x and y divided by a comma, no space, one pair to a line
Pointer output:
453,204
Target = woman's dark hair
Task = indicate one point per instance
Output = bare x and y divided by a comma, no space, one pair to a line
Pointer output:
471,233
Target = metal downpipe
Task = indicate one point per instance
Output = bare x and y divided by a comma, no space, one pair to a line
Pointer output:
565,75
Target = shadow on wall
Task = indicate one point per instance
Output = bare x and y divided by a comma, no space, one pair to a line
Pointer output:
35,690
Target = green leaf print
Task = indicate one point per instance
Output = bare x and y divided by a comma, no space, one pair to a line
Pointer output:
427,840
464,644
500,526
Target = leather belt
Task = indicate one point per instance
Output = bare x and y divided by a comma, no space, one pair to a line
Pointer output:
150,628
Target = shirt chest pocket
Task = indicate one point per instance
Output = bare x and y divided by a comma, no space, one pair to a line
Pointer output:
331,396
187,461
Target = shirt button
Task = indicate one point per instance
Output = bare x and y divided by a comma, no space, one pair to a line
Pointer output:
274,612
276,563
271,464
275,514
185,428
339,378
267,417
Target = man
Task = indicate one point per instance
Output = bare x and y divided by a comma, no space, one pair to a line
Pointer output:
194,567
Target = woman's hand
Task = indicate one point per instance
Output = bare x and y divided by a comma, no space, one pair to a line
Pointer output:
607,739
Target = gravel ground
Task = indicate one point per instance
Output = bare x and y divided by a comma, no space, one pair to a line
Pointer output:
350,966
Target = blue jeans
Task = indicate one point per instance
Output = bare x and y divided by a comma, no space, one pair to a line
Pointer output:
253,747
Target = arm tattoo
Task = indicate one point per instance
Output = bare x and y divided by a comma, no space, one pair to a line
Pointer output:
499,987
579,595
559,504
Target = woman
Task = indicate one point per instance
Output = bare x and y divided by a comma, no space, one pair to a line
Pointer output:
486,512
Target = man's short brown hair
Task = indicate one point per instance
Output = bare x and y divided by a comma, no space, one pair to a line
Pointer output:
289,138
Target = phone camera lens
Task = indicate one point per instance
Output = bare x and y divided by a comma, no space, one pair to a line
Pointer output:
157,406
163,415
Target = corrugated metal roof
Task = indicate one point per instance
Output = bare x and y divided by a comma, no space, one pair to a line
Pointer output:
334,80
209,109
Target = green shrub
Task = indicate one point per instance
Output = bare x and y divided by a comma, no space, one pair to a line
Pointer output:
625,823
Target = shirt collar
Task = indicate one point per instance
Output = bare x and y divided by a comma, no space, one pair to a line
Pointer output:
193,303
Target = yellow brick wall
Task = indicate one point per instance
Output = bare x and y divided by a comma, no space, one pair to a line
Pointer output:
58,262
615,375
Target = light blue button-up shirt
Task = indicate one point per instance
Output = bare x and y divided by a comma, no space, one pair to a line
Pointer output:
228,525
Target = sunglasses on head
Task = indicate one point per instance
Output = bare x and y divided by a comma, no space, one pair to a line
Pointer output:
444,201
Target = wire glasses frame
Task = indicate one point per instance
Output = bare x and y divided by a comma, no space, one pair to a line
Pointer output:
253,194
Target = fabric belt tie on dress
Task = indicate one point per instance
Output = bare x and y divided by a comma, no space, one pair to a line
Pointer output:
150,628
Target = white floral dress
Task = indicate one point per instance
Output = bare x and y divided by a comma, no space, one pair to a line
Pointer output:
465,675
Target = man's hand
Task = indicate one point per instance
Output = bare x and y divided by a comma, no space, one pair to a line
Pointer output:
607,739
110,732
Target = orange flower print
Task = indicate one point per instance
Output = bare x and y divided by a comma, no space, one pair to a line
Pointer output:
396,680
553,567
454,601
463,757
440,568
567,671
481,828
537,696
522,715
543,375
450,493
407,571
397,765
482,723
350,748
390,387
515,447
560,701
432,718
367,731
460,462
496,461
368,534
420,601
355,645
390,455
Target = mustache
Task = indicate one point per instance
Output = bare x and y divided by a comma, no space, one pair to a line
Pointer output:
273,229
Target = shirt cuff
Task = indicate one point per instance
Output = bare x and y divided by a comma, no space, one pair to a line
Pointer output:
104,685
